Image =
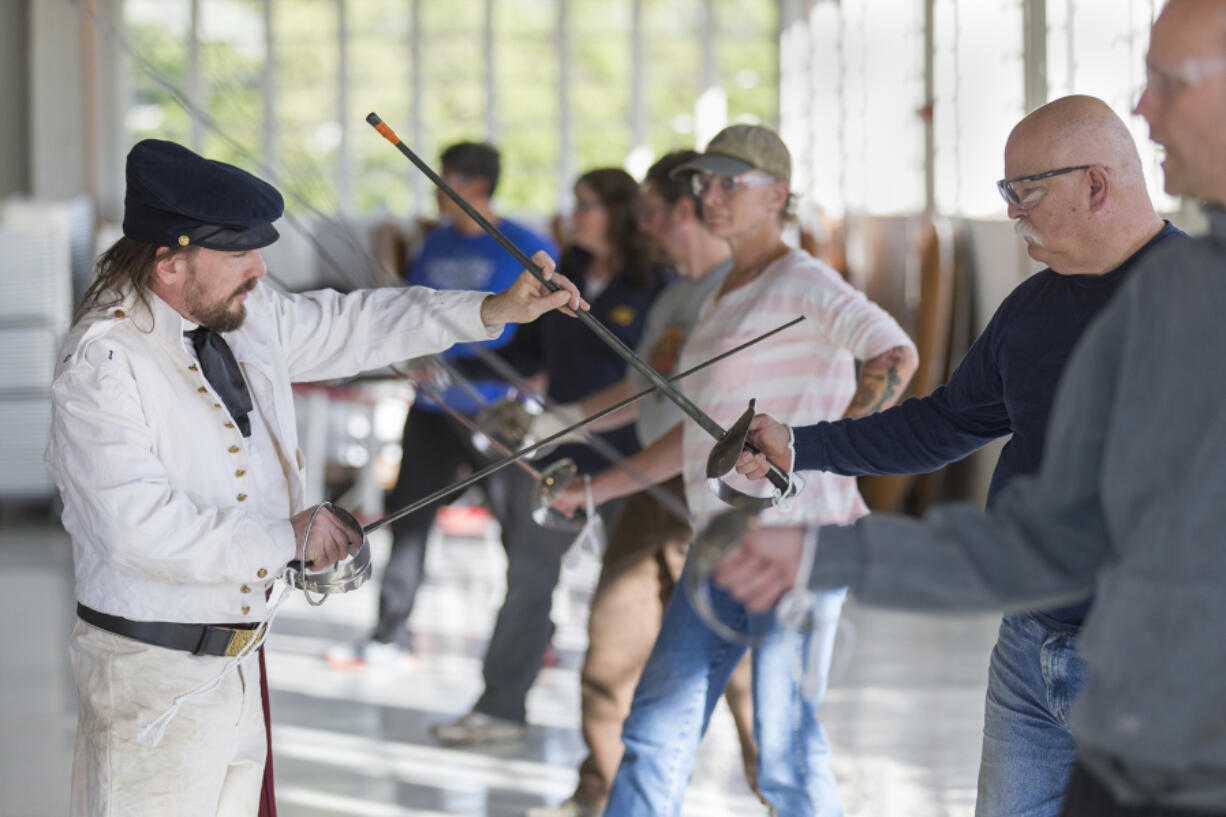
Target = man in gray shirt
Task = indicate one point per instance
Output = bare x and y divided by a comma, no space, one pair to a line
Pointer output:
646,550
1130,502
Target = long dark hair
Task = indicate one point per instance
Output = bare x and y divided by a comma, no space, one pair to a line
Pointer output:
126,267
619,196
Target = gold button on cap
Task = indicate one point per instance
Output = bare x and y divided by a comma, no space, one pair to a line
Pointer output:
244,589
242,497
261,573
233,449
246,609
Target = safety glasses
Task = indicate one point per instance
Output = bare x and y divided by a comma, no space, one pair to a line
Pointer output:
700,183
1026,191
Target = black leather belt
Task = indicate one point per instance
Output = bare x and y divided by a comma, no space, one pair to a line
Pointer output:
198,639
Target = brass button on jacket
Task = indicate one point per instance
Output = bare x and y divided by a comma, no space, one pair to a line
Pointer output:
233,449
242,497
246,609
244,589
261,573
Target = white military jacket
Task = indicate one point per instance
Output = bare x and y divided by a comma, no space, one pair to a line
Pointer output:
151,468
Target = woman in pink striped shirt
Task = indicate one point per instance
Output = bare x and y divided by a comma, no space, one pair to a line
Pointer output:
805,373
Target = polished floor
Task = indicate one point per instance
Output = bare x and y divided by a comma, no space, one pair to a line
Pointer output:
903,712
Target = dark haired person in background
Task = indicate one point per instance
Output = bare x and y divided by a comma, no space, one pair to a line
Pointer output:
457,254
647,549
615,266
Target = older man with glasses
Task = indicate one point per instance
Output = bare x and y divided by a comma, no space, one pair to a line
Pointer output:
1077,194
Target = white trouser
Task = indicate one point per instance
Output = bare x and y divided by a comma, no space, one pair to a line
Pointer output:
210,762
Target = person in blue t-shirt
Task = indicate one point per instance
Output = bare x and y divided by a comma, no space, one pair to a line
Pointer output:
457,254
1077,193
613,262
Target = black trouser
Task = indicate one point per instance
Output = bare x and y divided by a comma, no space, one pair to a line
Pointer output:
523,626
434,449
1086,797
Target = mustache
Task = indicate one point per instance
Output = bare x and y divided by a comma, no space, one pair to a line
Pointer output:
247,287
1028,232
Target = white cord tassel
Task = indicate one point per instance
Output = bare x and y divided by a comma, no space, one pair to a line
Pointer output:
591,536
797,612
783,500
151,734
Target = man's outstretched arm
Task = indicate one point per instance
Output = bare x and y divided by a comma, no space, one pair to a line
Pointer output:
1044,542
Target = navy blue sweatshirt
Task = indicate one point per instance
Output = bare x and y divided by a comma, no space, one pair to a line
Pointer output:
577,361
1005,384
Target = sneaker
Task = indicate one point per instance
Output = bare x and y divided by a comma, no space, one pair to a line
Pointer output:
367,653
570,808
477,728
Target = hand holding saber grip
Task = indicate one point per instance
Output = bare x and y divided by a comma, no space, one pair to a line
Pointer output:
324,537
777,476
725,453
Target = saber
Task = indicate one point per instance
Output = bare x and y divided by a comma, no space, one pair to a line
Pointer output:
477,476
729,443
549,483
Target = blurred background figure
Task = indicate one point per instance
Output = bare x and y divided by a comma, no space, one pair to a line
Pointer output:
456,254
647,547
613,262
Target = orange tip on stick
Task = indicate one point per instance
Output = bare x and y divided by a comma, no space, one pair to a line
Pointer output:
384,130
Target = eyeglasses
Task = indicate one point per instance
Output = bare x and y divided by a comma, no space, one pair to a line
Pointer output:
1166,83
700,183
1026,191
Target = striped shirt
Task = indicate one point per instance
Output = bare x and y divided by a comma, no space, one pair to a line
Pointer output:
802,375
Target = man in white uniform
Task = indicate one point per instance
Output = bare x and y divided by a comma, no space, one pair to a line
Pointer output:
174,446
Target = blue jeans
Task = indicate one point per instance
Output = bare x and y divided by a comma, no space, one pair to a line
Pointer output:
682,683
1028,753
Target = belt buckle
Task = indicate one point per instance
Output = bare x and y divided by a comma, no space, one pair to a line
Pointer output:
240,639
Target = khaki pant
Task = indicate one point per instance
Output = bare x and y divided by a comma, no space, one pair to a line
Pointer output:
642,566
209,763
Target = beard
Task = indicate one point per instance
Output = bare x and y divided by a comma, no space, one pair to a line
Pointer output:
219,315
1028,232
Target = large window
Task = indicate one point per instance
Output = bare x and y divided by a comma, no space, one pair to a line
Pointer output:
287,84
979,82
1098,47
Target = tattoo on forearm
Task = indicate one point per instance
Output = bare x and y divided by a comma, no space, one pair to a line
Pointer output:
879,382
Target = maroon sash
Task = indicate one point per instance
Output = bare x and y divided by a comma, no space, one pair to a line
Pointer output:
268,796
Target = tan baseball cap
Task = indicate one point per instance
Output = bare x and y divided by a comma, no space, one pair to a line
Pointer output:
741,148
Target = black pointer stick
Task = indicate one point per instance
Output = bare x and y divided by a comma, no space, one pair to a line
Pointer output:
777,477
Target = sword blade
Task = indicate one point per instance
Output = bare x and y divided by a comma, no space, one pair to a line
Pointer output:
493,467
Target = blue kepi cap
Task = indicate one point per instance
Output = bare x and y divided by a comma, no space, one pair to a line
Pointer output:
177,198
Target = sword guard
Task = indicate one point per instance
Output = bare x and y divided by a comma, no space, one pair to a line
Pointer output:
341,577
709,547
723,457
554,480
